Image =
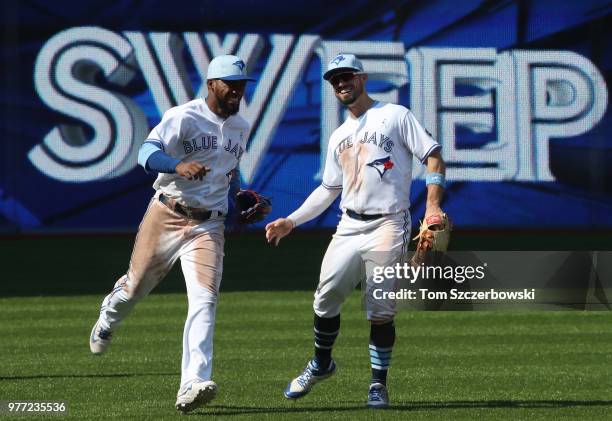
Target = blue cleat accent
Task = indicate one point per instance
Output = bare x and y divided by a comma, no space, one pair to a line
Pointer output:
301,385
99,339
378,396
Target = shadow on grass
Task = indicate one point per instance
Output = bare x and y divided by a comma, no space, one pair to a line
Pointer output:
409,406
85,376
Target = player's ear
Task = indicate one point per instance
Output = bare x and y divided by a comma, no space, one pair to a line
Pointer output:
210,83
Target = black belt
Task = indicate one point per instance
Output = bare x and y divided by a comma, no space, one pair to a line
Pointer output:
363,216
186,211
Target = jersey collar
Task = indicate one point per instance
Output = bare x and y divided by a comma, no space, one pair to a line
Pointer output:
212,116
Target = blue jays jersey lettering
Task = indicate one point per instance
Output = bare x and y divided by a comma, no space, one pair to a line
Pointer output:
192,132
206,142
370,158
234,148
203,142
379,139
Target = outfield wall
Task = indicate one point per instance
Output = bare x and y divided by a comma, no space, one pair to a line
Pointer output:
516,93
74,264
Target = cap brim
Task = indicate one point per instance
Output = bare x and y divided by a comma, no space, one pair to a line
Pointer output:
237,77
327,75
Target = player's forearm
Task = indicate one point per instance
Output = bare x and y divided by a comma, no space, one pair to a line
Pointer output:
434,196
314,205
234,184
436,180
152,158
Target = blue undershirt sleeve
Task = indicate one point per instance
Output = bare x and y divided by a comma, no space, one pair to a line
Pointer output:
152,158
234,185
234,188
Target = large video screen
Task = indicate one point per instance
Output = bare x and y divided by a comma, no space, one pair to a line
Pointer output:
515,92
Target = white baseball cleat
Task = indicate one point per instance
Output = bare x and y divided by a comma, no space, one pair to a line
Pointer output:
195,395
100,339
378,396
301,385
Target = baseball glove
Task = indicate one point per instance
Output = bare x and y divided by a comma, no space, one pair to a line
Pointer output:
434,235
252,206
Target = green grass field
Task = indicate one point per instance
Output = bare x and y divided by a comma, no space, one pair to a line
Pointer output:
461,365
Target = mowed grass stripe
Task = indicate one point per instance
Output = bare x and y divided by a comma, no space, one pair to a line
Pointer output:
461,365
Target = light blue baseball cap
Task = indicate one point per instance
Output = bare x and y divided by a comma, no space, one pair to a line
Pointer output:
343,63
227,67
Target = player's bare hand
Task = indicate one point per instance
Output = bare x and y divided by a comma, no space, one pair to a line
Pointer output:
278,229
427,237
192,170
432,210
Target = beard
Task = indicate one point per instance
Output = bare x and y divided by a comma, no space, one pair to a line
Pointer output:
227,107
349,100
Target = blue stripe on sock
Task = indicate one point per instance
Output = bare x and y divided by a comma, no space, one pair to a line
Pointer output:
380,354
379,361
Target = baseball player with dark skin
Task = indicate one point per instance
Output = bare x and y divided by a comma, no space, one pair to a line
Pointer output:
369,161
195,149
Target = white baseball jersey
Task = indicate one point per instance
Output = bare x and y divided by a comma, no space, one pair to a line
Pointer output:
192,132
370,159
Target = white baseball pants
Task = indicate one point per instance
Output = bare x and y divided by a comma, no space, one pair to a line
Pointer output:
356,248
164,237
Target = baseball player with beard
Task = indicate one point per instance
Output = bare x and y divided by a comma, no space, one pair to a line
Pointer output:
369,160
195,149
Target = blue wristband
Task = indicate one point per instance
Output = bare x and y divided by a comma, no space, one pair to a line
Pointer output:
435,178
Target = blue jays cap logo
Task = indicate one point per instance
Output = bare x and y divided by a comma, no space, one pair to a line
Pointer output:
382,165
338,59
239,64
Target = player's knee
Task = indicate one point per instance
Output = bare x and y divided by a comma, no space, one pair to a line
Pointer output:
326,313
139,285
380,318
326,309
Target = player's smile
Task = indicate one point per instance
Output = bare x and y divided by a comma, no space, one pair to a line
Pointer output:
342,82
344,92
346,87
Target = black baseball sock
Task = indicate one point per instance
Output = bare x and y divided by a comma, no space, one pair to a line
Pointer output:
325,333
382,338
